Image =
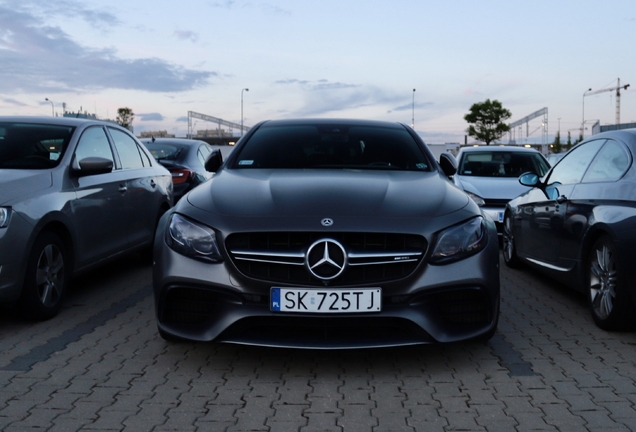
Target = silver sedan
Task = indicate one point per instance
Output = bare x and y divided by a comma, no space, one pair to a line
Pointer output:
490,175
74,193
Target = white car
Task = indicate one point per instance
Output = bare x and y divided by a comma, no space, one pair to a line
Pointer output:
490,175
553,158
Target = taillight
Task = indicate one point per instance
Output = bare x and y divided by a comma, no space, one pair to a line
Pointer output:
180,176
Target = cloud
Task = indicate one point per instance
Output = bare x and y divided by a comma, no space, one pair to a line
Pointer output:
273,9
36,58
291,81
14,102
409,107
267,8
186,35
65,8
321,84
150,117
323,97
227,4
183,119
324,85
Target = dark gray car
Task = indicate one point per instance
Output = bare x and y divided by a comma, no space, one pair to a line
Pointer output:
577,224
327,234
74,193
184,158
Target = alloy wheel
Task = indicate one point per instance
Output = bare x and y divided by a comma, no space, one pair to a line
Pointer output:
508,244
50,274
603,278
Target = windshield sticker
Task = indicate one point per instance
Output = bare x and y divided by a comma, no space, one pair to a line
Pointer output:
421,166
246,162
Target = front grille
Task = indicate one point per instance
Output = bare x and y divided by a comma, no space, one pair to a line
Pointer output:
333,332
496,202
279,257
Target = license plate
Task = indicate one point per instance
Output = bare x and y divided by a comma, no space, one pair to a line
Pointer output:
500,216
326,301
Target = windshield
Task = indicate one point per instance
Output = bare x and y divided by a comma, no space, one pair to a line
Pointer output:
337,146
32,146
164,151
502,164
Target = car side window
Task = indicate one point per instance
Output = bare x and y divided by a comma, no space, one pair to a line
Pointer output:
129,153
572,167
145,158
93,142
203,153
610,164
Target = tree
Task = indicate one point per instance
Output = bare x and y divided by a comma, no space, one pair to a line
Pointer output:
568,145
556,145
125,117
487,121
579,139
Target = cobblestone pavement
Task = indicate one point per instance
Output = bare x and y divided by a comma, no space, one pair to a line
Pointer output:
101,366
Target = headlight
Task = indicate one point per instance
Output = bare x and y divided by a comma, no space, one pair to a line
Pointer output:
478,200
5,215
460,241
192,239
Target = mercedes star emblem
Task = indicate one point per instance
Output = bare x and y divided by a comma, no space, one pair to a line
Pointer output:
326,259
327,222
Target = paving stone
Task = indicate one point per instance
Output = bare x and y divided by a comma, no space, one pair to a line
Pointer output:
122,376
560,416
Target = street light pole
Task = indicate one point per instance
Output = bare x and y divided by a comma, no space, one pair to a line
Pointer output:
413,111
583,115
52,108
242,90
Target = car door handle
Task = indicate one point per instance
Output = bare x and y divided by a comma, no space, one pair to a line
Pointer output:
561,199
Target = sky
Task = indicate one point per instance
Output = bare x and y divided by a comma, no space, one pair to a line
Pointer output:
326,59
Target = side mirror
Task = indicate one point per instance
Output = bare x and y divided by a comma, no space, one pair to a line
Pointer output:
529,179
92,165
214,162
448,163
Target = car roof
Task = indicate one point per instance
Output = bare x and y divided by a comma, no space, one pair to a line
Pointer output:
179,141
62,121
332,121
499,148
624,134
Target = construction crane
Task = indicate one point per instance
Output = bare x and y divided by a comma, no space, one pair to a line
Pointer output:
618,97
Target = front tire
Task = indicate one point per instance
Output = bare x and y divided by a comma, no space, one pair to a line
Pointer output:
46,279
609,300
508,244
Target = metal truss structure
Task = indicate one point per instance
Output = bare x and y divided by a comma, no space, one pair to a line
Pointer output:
231,126
519,123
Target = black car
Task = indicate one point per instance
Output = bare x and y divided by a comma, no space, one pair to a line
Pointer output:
74,193
578,225
184,158
327,234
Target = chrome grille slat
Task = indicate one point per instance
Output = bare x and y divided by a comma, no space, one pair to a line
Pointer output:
263,260
289,258
381,262
280,257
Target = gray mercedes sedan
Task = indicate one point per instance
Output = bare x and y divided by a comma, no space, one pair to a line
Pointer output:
74,193
327,234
